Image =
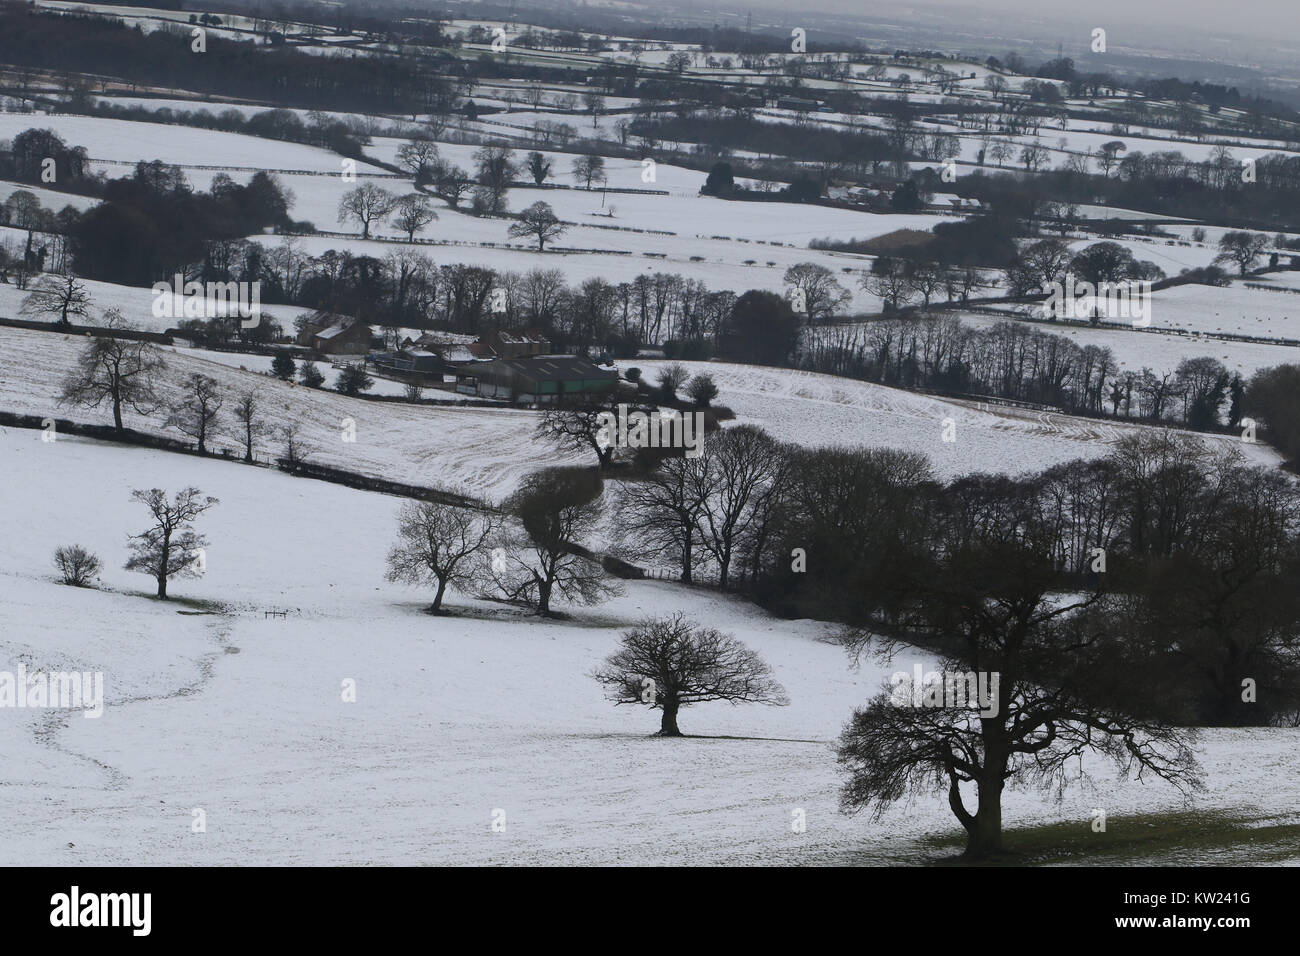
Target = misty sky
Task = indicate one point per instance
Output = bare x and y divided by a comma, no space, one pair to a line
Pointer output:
1260,18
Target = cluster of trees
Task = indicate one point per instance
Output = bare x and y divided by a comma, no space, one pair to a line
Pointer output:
1273,400
46,244
93,45
1051,260
1015,360
1192,556
860,153
1185,612
408,289
41,157
152,225
343,135
706,513
526,551
1266,190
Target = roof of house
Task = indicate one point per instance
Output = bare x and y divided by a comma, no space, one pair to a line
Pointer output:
439,337
521,338
557,368
328,325
461,353
337,329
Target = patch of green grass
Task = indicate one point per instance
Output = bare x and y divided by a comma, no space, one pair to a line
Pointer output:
1145,838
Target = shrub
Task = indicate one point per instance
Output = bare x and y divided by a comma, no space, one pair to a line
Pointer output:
76,565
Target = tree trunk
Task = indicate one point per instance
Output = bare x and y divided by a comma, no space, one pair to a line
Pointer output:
544,597
668,723
117,415
164,559
687,561
985,840
437,598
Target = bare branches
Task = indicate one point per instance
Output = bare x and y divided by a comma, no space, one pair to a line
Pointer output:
438,544
671,663
170,547
121,371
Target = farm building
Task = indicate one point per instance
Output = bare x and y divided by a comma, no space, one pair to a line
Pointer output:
516,344
542,378
410,360
336,334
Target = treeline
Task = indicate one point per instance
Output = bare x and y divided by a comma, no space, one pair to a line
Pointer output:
409,289
344,137
861,152
1016,361
1166,182
1188,562
91,44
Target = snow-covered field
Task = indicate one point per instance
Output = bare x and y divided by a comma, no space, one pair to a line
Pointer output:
136,304
490,714
1136,349
1233,310
242,716
485,449
811,409
120,144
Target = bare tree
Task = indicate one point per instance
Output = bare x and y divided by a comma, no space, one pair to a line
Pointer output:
495,170
539,166
450,183
888,281
417,156
659,515
671,663
702,390
1241,249
121,371
58,297
197,415
248,413
76,565
578,428
671,378
538,557
172,547
296,450
413,214
365,204
437,545
742,461
594,103
540,222
587,169
821,293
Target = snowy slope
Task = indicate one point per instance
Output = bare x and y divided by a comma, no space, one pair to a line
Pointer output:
486,450
241,715
811,409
